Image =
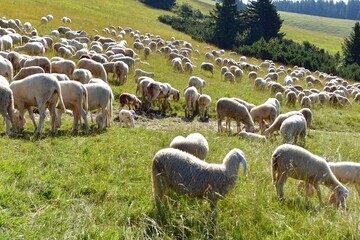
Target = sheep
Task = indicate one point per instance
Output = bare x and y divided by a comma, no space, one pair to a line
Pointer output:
66,67
42,62
248,106
7,107
228,76
186,174
75,98
31,48
121,71
129,100
204,102
41,90
162,92
291,98
275,126
191,97
126,116
252,75
177,65
27,71
292,128
305,102
298,163
306,112
279,97
252,136
197,82
96,69
44,20
260,83
6,69
206,66
139,73
229,108
194,144
188,67
265,111
82,75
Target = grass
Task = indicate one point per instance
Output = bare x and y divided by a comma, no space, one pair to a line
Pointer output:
93,186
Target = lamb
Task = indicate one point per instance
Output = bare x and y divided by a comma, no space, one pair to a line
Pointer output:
82,75
7,107
75,98
197,82
226,107
204,102
96,69
129,100
186,174
298,163
41,90
27,71
265,111
292,128
194,144
206,66
31,48
191,97
126,116
252,136
139,73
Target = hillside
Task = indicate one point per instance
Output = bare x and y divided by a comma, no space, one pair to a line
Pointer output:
98,185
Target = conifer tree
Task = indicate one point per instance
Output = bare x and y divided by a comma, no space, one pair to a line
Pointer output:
351,46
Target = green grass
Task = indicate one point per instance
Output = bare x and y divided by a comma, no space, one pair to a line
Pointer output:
99,185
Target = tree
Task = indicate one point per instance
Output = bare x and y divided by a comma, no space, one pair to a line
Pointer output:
225,20
351,46
162,4
264,20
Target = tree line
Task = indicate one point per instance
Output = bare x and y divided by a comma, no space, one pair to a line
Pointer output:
329,8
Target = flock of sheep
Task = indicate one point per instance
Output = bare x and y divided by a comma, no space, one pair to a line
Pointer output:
76,81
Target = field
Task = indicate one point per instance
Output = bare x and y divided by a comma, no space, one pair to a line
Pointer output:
98,185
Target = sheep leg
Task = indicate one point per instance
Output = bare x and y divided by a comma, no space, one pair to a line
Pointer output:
52,110
7,122
214,214
279,184
317,188
357,186
31,114
219,124
41,108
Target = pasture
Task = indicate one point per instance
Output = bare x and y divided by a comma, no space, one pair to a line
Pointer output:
98,185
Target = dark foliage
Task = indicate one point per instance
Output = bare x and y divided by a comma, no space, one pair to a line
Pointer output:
161,4
351,46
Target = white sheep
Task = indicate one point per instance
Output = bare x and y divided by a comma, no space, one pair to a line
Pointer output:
126,117
96,69
204,102
231,109
82,75
41,90
228,76
197,82
252,136
194,143
275,126
191,97
205,66
264,112
27,71
6,69
279,97
66,67
7,106
186,174
249,106
291,98
305,102
293,129
139,73
306,112
298,163
31,48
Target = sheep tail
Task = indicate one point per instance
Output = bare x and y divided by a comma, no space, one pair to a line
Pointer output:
243,161
274,167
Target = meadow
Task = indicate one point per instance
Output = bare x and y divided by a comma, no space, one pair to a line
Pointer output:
98,185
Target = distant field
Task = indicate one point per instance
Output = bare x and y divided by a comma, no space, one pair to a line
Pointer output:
326,33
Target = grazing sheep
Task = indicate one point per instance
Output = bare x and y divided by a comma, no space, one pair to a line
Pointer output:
194,144
228,76
82,75
279,97
275,126
129,100
249,106
41,90
191,97
75,98
197,82
252,136
231,109
252,75
6,69
291,98
121,70
204,102
31,48
66,67
260,83
264,112
186,174
97,69
306,112
292,128
42,62
140,73
7,107
205,66
126,117
188,67
27,71
298,163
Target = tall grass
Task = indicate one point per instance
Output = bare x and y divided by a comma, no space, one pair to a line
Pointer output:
98,185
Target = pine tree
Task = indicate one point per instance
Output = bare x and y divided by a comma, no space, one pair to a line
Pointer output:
351,46
264,19
225,19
